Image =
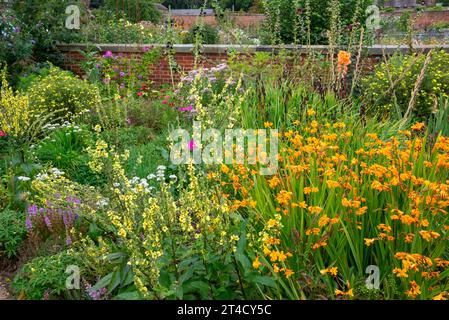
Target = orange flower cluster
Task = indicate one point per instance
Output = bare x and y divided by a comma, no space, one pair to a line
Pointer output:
334,184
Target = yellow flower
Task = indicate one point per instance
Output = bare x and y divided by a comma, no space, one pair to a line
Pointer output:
369,242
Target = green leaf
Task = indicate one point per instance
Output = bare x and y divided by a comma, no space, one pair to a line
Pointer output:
115,280
103,282
266,281
186,276
133,295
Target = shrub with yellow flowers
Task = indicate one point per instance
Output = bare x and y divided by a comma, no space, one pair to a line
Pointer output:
62,94
389,89
181,239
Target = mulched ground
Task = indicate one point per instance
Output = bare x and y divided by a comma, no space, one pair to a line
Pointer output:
4,293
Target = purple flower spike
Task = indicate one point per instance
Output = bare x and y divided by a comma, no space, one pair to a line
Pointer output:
32,210
47,221
28,224
68,240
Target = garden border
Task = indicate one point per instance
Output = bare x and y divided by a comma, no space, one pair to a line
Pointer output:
215,54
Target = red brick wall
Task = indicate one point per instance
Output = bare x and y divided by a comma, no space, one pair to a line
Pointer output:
425,19
213,55
160,71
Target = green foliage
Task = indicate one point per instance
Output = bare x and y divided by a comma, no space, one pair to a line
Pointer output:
45,21
283,14
16,44
404,70
63,93
106,28
31,73
12,232
194,4
64,149
44,276
208,34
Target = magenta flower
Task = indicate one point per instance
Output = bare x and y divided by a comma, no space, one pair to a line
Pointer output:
3,133
164,102
108,54
192,145
189,108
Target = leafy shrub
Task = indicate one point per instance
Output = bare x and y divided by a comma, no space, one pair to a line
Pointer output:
104,29
287,12
16,44
135,10
404,71
45,21
44,277
31,73
64,149
62,93
12,232
209,34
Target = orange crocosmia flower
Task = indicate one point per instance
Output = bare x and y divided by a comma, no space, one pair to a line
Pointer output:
274,256
288,273
415,290
344,58
440,296
313,231
361,211
315,209
348,293
401,273
418,126
282,256
369,242
332,271
332,184
274,182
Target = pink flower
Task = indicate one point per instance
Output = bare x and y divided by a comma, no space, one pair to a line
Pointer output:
189,108
192,145
3,133
164,101
139,94
108,54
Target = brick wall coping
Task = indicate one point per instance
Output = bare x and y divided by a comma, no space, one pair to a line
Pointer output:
222,49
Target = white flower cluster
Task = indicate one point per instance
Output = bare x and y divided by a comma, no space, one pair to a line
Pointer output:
102,203
139,184
52,173
65,124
